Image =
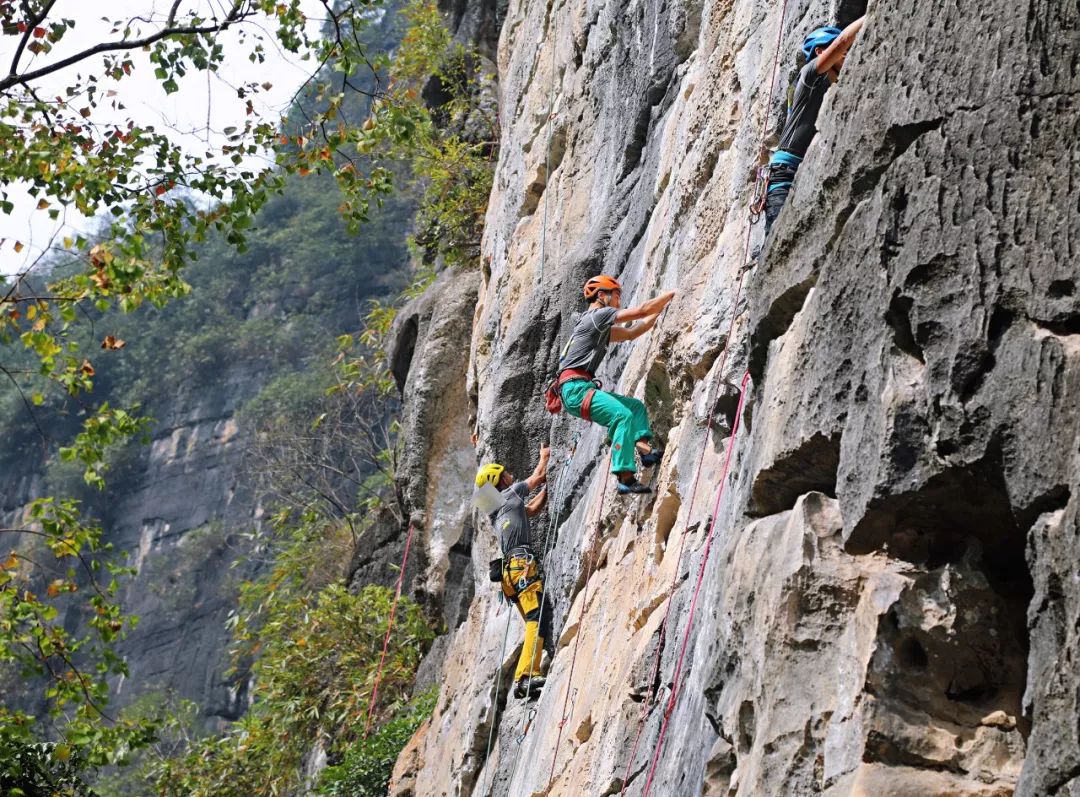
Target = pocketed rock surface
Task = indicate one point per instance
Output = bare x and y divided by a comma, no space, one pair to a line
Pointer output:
888,601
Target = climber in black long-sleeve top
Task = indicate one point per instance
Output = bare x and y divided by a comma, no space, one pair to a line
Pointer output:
825,48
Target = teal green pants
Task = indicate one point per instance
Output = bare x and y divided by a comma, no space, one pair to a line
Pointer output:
624,417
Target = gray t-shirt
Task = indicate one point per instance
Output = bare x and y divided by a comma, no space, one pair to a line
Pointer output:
589,340
801,125
510,520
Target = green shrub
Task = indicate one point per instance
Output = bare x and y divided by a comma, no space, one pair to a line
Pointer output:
317,660
369,763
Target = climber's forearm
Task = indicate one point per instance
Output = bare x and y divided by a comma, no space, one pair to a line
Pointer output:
836,51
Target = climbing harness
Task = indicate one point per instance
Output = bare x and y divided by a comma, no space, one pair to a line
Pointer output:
553,394
754,214
389,629
580,630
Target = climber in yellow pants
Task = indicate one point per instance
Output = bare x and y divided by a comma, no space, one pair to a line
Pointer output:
519,569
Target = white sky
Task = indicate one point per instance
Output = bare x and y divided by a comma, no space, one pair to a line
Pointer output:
186,111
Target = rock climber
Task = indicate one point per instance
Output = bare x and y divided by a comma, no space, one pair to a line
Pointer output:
519,569
625,418
825,49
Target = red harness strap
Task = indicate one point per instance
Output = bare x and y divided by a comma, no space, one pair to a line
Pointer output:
586,404
579,375
573,374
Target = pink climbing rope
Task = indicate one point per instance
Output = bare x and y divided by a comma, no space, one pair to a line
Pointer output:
697,590
389,629
580,631
647,705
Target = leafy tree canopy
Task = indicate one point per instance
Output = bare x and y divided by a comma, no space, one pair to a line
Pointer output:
80,148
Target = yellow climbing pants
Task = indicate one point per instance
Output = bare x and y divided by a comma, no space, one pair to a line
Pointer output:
521,583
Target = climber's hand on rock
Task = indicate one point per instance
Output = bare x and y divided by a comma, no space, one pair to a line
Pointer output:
539,476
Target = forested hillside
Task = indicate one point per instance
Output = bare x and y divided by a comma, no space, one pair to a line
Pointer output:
202,428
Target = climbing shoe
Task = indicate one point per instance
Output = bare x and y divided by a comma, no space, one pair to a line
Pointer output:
652,458
632,486
529,687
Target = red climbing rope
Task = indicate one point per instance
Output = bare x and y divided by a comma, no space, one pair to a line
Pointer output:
647,705
389,629
697,589
581,628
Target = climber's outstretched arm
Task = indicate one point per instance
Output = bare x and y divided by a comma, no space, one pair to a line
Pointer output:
836,52
619,334
645,309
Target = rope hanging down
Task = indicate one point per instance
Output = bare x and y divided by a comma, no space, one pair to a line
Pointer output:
697,590
389,629
655,670
580,630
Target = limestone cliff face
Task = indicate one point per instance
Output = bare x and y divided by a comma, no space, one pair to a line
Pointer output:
890,601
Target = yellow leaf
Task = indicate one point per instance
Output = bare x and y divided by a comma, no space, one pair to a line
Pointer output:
42,204
31,311
62,752
11,562
19,246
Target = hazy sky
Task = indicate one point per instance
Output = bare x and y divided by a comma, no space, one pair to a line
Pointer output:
186,111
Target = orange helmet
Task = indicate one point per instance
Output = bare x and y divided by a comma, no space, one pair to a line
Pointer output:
601,283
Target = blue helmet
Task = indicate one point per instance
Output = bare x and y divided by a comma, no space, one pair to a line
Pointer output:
819,37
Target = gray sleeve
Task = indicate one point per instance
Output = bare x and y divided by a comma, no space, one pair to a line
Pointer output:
521,488
604,318
809,76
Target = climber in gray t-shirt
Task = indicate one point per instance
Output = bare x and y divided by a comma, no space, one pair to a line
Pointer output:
825,49
625,417
520,575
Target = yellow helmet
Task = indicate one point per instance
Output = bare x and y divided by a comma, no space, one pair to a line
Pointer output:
489,474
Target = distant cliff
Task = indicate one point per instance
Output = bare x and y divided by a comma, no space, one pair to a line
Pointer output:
889,605
252,340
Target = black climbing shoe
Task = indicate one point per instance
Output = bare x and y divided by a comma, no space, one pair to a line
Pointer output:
652,458
529,687
632,486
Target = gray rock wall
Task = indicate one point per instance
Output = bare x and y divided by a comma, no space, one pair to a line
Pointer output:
889,603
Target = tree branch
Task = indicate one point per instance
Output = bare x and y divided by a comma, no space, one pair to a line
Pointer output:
31,23
235,15
74,552
29,409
